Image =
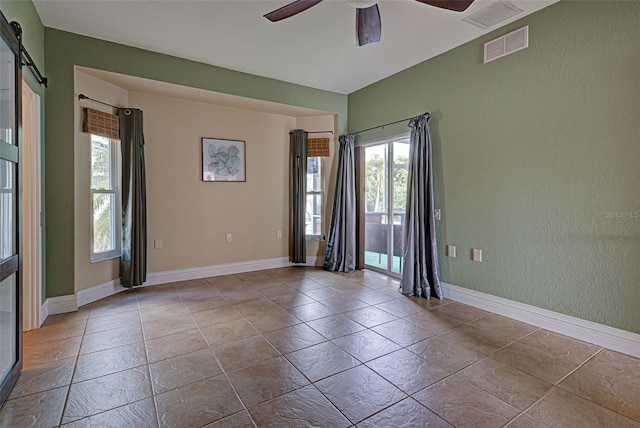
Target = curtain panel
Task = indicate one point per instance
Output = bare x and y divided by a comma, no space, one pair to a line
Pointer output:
420,276
341,244
298,196
133,262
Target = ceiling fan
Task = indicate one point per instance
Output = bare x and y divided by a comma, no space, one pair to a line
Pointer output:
368,25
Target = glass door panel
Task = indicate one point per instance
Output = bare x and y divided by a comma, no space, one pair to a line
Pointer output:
385,190
10,303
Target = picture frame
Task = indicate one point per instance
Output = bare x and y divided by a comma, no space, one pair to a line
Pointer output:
223,160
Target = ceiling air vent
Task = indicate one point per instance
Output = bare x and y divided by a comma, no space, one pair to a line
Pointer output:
507,44
493,14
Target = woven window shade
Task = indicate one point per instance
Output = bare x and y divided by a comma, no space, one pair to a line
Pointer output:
100,123
317,147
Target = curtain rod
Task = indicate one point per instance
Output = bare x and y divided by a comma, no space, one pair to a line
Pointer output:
315,132
84,97
382,126
25,58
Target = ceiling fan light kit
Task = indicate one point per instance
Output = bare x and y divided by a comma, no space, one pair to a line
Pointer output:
368,22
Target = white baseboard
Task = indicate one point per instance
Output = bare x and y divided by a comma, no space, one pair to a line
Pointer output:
44,312
71,303
61,304
97,292
588,331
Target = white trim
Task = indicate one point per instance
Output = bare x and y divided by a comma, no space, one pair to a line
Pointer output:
61,304
44,312
588,331
97,292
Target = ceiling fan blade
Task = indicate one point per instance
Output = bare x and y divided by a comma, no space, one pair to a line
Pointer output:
368,25
455,5
291,9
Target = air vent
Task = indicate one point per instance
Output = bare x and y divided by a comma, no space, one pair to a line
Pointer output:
493,14
507,44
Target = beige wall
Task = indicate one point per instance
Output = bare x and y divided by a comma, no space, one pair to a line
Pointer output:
87,273
190,216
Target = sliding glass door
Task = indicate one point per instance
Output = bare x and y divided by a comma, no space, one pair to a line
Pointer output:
385,193
10,292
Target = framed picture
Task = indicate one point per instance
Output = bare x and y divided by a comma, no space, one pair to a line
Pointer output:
223,160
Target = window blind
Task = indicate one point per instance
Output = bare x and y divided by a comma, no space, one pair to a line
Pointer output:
100,123
317,147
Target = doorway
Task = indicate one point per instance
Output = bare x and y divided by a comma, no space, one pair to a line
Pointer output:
385,194
31,212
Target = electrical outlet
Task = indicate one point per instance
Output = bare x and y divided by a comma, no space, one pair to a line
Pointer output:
451,250
157,243
278,234
228,238
476,255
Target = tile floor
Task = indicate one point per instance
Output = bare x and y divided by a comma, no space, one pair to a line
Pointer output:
298,347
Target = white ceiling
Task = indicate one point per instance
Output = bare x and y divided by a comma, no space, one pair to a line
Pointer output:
316,48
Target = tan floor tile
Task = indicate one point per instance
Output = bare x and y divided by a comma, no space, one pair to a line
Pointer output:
109,361
116,320
42,352
154,299
266,380
215,316
228,331
566,410
273,321
174,345
403,332
277,289
312,311
37,410
611,392
407,371
344,304
43,377
322,360
182,370
237,420
167,326
436,322
406,414
335,326
55,331
245,352
303,408
359,392
161,312
366,345
371,297
445,354
257,307
506,383
292,338
477,339
105,393
461,312
113,338
463,405
525,421
291,300
616,365
370,316
139,414
124,301
400,307
504,327
197,404
546,355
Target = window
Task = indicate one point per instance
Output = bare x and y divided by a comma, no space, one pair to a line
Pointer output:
105,198
313,228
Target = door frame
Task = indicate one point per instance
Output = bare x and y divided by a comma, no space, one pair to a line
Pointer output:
32,204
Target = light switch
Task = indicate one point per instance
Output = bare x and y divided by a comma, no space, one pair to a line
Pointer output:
476,255
157,243
436,213
278,234
451,250
228,238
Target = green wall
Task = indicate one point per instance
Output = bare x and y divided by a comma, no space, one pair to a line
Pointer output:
63,51
533,153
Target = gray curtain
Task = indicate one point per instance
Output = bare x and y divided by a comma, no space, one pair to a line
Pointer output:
341,244
420,276
133,262
298,195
